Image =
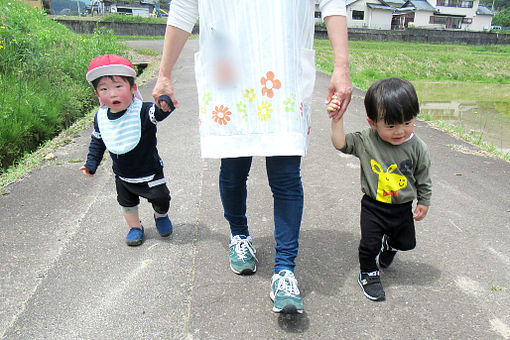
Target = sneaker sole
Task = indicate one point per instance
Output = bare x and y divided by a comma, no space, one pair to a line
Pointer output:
134,243
165,235
370,297
246,271
383,265
288,309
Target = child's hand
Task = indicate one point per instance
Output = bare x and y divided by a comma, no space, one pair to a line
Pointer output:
169,107
333,106
420,212
86,171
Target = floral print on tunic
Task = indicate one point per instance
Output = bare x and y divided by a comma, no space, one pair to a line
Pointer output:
265,110
290,103
250,94
269,84
206,98
221,115
241,108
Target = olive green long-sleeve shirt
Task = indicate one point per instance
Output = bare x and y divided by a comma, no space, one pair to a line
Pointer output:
391,174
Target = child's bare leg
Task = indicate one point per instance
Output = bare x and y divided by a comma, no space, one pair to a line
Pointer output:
132,217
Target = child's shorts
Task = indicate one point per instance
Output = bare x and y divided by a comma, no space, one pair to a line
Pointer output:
155,191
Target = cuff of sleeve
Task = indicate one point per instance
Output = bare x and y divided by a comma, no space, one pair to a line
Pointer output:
92,169
182,15
332,7
183,26
335,12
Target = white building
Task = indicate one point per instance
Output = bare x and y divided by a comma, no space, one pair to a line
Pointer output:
369,14
142,8
467,15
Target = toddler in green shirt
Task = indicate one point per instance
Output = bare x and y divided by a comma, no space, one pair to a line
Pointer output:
395,171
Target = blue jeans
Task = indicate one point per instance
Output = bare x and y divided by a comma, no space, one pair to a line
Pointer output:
284,177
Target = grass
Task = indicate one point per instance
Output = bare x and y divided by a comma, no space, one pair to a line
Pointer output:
114,18
43,91
455,65
496,288
140,37
34,160
373,60
470,137
42,85
148,52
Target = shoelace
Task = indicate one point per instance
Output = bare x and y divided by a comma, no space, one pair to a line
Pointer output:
373,277
243,246
288,285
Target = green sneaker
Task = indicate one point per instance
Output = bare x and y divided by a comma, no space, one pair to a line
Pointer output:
285,293
242,255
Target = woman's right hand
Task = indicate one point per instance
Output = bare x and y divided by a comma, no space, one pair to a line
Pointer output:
164,87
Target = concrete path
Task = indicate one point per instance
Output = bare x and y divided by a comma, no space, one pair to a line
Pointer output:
66,272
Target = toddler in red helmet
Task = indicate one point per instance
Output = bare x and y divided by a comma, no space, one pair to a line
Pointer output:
126,127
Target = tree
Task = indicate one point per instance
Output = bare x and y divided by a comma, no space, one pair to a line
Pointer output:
502,18
498,4
69,6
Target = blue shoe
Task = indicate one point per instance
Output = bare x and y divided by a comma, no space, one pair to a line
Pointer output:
285,293
164,225
134,237
242,255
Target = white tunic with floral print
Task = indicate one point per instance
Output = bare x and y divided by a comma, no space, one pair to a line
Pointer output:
255,73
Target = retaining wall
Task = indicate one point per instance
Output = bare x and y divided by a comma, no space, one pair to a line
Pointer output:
425,36
415,35
120,28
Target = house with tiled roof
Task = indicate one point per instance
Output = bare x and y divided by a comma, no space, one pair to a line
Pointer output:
414,12
468,15
373,14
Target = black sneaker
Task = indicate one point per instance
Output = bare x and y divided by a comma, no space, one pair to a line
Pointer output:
387,253
371,285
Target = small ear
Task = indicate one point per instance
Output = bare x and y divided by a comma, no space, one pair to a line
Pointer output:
134,88
376,167
371,123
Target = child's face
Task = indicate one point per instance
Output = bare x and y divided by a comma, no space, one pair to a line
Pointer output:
116,93
395,134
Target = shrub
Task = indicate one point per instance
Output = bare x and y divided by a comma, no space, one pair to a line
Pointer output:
42,77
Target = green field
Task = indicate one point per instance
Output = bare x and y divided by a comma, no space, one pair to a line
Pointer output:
373,60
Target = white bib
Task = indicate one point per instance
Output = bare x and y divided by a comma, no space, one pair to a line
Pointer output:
123,134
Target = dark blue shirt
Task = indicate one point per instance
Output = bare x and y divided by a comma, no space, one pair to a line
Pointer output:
140,162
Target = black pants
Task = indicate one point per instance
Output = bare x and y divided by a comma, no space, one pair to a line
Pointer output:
378,218
155,191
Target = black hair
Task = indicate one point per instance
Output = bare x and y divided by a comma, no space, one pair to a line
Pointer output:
130,80
392,100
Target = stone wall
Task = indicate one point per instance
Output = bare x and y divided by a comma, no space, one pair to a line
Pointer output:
120,28
425,36
415,35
